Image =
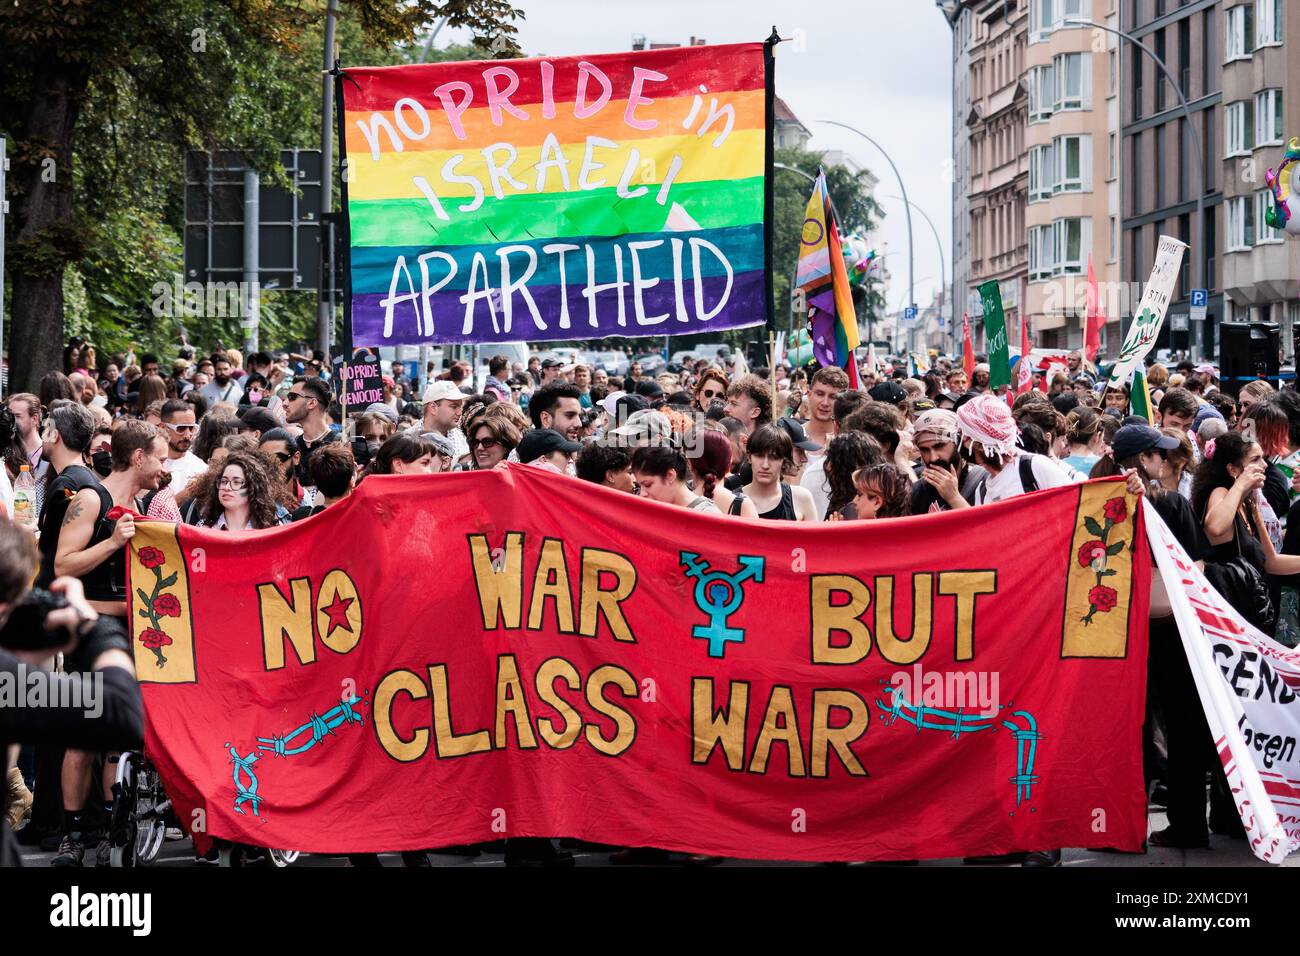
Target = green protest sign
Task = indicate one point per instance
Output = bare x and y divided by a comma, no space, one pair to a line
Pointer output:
995,334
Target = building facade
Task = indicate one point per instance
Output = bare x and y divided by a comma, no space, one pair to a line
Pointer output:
996,181
961,20
1260,49
1072,81
1162,173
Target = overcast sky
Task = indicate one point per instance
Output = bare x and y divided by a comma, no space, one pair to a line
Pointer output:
884,66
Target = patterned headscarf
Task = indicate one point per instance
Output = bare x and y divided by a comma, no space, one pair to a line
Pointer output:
937,424
987,420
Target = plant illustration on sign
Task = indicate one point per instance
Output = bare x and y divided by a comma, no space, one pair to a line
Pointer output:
1093,554
157,605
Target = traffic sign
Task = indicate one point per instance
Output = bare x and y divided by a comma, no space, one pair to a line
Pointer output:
909,313
1200,300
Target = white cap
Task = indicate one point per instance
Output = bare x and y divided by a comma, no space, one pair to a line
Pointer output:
441,390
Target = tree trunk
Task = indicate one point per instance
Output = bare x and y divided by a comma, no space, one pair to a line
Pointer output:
46,239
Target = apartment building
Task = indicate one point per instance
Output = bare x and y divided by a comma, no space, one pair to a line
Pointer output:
997,180
1071,141
1260,51
1162,172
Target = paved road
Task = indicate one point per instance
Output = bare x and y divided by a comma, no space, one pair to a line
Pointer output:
1222,852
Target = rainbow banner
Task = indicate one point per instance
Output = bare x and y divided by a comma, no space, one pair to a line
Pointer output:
559,197
823,280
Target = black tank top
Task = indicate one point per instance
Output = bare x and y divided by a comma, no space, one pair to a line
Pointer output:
783,511
106,581
61,490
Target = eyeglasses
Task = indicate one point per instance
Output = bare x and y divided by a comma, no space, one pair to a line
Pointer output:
234,484
181,428
483,443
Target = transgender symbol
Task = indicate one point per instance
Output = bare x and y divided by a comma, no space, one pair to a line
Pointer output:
719,594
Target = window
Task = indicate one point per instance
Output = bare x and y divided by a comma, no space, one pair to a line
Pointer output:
1264,202
1071,239
1268,118
1135,177
1113,86
1209,69
1040,253
1159,178
1239,36
1072,93
1241,223
1041,94
1041,172
1114,237
1160,77
1268,22
1071,10
1113,155
1040,19
1137,65
1238,128
1073,156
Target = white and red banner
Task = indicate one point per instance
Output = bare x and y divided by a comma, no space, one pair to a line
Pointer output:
1247,684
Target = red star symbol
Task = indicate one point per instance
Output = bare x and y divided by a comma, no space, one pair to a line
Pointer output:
338,613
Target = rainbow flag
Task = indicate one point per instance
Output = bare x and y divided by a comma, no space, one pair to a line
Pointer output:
558,197
824,281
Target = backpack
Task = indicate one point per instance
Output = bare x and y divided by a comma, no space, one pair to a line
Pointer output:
1027,478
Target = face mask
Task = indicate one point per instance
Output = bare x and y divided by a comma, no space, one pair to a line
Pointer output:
102,462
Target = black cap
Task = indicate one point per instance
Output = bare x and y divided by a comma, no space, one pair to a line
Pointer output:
797,435
255,416
551,363
1132,440
543,441
649,388
890,392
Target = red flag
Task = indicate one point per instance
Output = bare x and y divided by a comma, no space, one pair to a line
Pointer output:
967,347
1025,374
1096,318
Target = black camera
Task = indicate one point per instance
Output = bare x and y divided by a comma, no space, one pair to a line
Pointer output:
25,629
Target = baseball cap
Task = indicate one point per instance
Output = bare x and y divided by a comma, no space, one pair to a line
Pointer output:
1132,440
797,435
440,442
255,416
889,392
543,441
551,363
610,400
441,390
385,411
646,427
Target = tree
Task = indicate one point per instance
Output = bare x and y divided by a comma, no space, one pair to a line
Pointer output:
857,212
101,97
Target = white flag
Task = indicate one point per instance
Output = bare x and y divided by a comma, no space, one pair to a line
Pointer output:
1247,683
1150,315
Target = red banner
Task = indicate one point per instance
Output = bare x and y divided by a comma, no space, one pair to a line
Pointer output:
452,658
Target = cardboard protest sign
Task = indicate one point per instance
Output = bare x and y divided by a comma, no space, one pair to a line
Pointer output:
359,383
582,662
559,197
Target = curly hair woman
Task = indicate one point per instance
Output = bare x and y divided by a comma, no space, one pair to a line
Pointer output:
845,454
243,496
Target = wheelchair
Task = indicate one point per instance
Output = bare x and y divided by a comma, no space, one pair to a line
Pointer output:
143,813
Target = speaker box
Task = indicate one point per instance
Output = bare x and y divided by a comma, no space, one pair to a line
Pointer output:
1248,352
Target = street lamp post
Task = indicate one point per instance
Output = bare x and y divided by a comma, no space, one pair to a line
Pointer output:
943,266
1198,256
911,260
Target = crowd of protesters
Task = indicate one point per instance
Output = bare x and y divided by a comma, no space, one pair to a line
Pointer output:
233,442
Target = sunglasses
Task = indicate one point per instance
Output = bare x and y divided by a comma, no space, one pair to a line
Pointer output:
181,428
712,395
283,456
483,443
293,396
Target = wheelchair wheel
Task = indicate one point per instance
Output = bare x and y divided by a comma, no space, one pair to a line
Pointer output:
122,828
282,858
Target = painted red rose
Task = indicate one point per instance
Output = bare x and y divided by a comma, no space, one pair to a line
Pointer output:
152,558
1116,509
153,638
167,605
1103,598
1090,552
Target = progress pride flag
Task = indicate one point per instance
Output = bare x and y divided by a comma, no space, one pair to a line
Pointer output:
451,658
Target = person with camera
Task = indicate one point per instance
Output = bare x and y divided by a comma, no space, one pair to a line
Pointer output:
99,523
34,626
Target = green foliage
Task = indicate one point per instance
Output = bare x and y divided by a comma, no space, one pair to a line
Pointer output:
147,80
857,212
